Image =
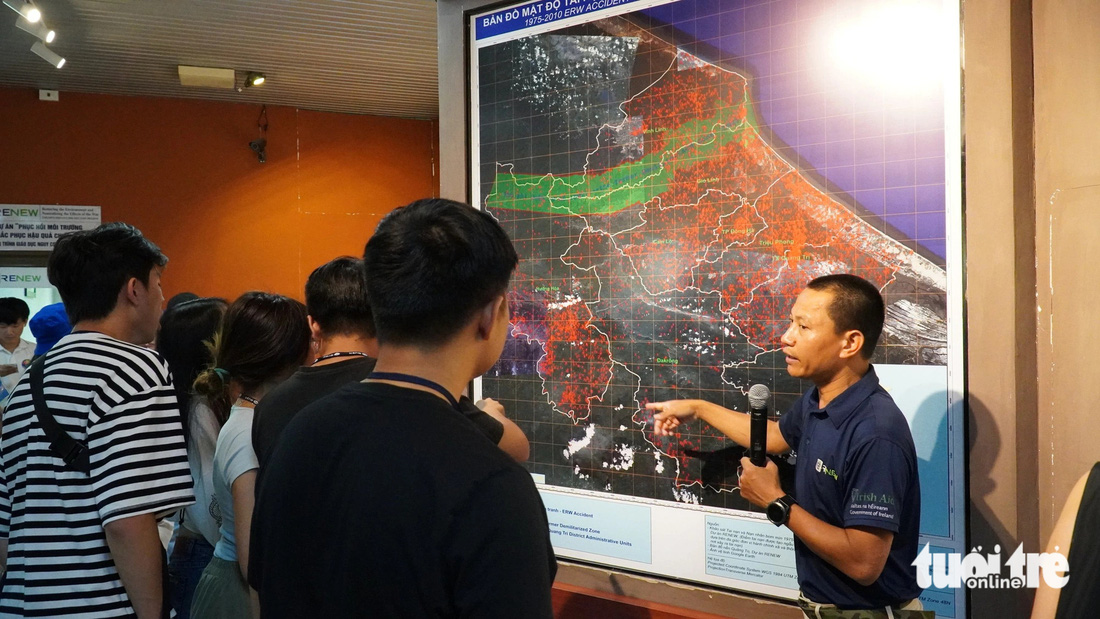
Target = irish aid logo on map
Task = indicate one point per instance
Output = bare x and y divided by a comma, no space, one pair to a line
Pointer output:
977,571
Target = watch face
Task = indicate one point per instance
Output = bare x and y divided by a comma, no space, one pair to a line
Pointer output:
777,512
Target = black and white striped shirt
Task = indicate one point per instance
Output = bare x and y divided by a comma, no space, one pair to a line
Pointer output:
118,398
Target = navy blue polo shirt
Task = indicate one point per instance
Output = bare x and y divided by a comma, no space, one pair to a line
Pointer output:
857,466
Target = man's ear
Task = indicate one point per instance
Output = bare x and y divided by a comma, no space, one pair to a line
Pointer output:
133,290
314,329
852,344
489,315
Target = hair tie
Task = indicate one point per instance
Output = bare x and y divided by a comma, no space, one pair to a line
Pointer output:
223,374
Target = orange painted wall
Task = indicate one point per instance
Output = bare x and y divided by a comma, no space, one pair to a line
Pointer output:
182,172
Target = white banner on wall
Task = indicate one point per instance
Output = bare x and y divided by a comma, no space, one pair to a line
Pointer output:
35,227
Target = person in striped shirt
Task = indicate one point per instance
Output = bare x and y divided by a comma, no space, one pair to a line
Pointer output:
78,543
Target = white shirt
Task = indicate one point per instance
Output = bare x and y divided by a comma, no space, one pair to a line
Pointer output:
21,359
204,517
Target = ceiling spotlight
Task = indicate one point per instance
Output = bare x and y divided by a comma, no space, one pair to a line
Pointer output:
39,29
48,54
254,79
26,9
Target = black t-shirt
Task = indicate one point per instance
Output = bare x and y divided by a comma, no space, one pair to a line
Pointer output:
1081,596
310,384
304,387
383,501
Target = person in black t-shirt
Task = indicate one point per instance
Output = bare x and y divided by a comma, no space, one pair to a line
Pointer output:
383,499
343,335
342,331
1073,592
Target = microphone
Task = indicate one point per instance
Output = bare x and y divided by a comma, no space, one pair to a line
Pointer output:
758,424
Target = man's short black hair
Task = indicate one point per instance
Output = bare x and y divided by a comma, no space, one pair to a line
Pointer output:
857,306
90,267
430,266
336,297
12,310
179,298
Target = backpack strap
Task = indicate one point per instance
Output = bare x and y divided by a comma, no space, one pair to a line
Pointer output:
71,451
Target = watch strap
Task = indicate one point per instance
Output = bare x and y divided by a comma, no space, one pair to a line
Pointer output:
785,502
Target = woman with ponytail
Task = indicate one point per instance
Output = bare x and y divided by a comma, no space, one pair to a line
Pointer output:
185,338
264,338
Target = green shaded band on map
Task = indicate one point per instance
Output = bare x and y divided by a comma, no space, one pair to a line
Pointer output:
631,183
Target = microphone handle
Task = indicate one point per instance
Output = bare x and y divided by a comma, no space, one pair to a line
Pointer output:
758,435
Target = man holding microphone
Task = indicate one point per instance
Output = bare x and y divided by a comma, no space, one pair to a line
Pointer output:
855,511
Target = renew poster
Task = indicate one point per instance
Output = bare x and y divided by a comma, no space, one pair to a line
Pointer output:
672,174
35,227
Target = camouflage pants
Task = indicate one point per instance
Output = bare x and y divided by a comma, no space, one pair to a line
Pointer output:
909,610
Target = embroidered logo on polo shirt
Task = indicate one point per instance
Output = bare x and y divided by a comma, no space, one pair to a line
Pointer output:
821,468
858,496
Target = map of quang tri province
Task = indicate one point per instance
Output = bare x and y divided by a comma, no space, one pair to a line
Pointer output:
662,243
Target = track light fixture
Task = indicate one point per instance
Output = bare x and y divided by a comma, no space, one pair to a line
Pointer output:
30,20
26,9
254,79
48,54
38,29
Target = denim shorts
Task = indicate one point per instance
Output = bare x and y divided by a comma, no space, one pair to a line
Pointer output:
190,556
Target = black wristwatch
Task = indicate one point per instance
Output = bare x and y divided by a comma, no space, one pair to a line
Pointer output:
779,510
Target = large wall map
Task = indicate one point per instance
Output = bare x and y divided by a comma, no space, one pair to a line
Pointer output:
664,228
663,241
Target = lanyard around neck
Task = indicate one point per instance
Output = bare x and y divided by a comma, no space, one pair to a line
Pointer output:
334,355
398,377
